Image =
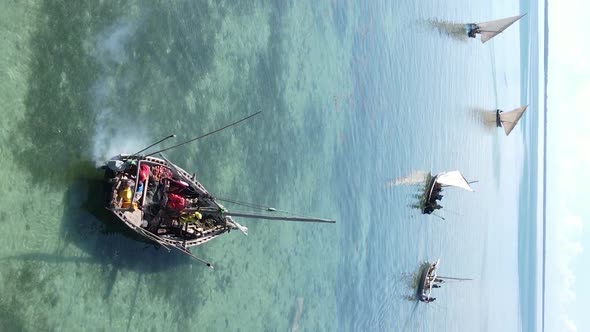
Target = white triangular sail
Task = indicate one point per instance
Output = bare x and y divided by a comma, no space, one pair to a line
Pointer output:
510,119
455,179
489,30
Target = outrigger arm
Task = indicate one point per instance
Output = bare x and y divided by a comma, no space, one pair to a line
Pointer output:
262,216
259,216
161,242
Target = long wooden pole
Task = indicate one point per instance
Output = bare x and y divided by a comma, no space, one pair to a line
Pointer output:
185,251
257,216
451,278
207,134
188,253
158,142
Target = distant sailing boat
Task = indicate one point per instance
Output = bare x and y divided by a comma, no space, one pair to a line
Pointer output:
488,30
433,188
429,279
508,120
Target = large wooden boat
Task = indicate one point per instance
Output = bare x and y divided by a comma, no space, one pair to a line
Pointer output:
508,120
488,30
165,204
433,187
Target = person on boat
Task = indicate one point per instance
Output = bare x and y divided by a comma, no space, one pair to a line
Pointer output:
190,218
438,280
435,286
424,298
438,196
473,30
437,188
427,299
435,193
433,200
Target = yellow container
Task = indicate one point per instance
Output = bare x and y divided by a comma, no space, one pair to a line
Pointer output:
126,194
126,205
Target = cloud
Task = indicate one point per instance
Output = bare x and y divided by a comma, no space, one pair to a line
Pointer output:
570,326
568,132
566,47
568,119
566,246
568,123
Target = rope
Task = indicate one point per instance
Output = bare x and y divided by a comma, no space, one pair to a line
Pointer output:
257,206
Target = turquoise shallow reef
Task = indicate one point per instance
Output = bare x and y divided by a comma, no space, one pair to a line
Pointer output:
352,95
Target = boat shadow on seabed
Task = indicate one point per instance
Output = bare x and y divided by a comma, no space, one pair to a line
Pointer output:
90,227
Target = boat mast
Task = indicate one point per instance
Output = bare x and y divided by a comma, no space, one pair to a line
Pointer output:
167,246
205,135
469,182
260,216
158,142
451,278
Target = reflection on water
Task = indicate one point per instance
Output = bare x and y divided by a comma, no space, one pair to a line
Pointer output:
487,118
411,317
412,279
454,30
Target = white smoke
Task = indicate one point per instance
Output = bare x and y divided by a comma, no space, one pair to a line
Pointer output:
114,132
454,30
415,177
111,43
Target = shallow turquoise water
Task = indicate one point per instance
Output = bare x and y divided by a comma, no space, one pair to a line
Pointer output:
352,96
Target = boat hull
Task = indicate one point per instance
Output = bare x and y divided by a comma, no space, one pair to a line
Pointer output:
471,30
424,290
422,283
133,218
428,192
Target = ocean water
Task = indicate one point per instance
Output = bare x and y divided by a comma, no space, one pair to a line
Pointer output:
353,95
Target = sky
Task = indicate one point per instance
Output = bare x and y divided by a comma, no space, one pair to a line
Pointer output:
568,163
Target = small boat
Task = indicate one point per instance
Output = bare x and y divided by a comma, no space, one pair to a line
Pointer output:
433,188
508,120
165,204
428,281
488,30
